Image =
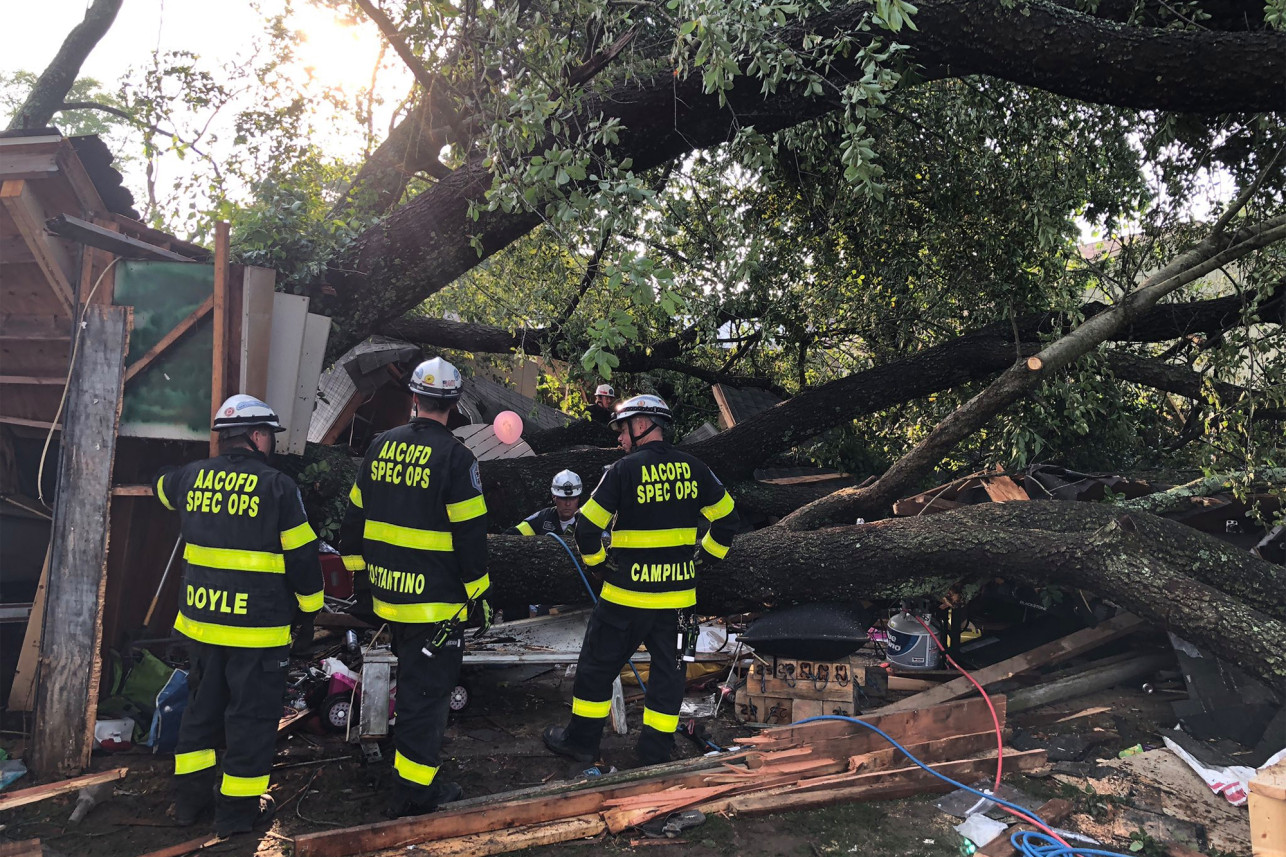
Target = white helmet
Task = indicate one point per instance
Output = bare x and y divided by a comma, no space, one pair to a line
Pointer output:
436,379
605,390
646,405
242,411
566,484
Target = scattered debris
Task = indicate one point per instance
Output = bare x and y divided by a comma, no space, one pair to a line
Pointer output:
48,790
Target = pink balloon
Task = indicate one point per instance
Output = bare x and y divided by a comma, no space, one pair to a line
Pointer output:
508,426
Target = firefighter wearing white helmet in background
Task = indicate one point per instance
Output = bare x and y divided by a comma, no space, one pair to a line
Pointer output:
417,523
250,567
559,519
652,501
604,400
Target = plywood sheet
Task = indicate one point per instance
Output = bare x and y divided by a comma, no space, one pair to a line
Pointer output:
256,329
289,319
312,356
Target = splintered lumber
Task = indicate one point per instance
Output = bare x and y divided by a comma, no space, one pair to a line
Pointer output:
517,839
1051,812
184,848
9,800
23,848
1059,650
1267,804
1094,678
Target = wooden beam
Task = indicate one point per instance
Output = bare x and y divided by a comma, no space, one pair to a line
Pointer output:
23,421
22,797
133,491
67,688
28,215
28,164
157,238
1267,801
218,369
24,678
75,229
35,328
31,381
175,334
1062,649
75,174
22,848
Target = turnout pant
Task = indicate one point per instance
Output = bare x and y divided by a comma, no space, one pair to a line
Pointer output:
613,635
424,688
234,702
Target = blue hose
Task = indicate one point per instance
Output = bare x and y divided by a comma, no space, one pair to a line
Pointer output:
592,596
1028,843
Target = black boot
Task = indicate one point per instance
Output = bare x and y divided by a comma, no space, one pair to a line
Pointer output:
405,803
556,740
242,814
194,794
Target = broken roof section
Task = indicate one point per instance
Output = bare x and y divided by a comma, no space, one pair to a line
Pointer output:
738,404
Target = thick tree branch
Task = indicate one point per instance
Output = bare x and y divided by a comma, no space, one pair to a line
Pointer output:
1184,382
55,81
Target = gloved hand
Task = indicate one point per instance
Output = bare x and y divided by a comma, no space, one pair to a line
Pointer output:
482,612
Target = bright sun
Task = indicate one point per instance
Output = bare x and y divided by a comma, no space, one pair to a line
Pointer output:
333,53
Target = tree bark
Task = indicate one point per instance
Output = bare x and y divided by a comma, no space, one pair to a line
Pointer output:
428,243
55,81
1218,597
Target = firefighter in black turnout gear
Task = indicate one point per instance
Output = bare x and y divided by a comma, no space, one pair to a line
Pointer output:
417,523
652,500
559,518
250,568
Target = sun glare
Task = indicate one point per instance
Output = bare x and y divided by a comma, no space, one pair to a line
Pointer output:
333,53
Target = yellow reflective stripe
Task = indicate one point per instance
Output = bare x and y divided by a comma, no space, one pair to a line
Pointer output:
160,494
243,786
413,771
660,722
408,537
713,548
235,560
525,529
596,514
190,763
311,603
355,496
417,614
231,635
474,588
594,558
354,562
718,510
679,537
297,537
596,710
466,510
648,600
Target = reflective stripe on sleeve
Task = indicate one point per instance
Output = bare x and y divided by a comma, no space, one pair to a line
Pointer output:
474,588
660,722
466,510
190,763
160,494
679,537
414,772
354,562
311,603
595,558
596,514
297,537
231,635
235,560
243,786
648,600
713,548
355,496
407,537
720,509
595,710
413,614
525,529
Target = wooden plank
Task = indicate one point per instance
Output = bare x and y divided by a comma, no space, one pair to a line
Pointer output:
35,328
84,232
176,333
218,367
184,848
154,236
75,174
133,491
22,692
1062,649
24,848
517,839
1051,812
28,165
23,421
22,797
913,724
67,689
1094,677
257,286
28,215
32,380
312,356
1002,489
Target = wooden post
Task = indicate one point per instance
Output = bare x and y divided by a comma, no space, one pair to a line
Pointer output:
218,380
67,687
1267,800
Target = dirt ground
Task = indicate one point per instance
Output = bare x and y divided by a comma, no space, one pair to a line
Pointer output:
494,745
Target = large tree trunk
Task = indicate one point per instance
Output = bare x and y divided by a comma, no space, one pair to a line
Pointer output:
46,97
1211,593
428,243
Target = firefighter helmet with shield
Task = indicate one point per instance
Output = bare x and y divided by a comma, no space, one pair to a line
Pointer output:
436,379
565,484
605,390
646,405
244,411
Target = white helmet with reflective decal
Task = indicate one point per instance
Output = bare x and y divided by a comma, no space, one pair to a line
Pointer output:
646,405
605,390
243,411
436,379
566,484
